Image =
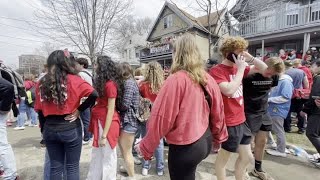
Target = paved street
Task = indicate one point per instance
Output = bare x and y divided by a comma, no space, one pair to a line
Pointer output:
30,157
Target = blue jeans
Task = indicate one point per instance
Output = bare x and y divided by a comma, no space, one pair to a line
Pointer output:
158,153
7,160
85,117
64,150
25,112
46,170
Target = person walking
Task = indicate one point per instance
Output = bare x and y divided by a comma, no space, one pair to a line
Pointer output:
8,169
188,112
256,88
105,121
58,96
229,75
149,88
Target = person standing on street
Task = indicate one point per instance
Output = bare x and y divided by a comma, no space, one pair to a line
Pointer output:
229,75
188,111
149,88
105,121
82,66
58,96
300,81
312,109
8,171
256,88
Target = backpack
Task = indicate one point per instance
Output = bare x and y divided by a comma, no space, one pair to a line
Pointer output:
144,109
31,96
89,74
13,77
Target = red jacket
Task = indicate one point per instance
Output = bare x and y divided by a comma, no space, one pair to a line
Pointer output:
308,74
181,114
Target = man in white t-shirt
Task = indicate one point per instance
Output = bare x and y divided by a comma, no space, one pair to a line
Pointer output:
82,66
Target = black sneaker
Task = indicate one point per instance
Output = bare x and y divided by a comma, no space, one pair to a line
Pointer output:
300,131
42,143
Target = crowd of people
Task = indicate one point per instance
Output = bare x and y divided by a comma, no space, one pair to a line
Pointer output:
228,107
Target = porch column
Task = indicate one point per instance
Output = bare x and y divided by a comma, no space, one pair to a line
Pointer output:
262,49
306,43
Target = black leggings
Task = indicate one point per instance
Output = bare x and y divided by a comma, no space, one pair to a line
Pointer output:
184,159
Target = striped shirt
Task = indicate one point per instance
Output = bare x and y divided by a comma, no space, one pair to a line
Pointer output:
131,100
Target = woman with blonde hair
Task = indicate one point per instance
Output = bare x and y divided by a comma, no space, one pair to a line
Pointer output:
149,88
188,111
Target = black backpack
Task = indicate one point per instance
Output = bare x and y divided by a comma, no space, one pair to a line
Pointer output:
15,78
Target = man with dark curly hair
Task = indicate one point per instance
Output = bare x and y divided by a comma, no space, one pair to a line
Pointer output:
229,75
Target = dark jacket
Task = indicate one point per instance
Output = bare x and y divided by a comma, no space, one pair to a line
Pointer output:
310,107
6,95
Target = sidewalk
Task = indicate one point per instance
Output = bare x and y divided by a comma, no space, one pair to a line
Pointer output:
30,157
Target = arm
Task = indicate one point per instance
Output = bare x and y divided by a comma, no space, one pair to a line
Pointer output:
229,88
278,100
258,65
128,94
89,102
305,82
163,115
217,118
111,106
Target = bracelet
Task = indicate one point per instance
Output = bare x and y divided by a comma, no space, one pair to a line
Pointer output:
251,60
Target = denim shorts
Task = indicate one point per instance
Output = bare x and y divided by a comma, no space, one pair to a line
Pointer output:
128,128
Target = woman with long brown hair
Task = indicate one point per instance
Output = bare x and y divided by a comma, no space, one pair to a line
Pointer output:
188,111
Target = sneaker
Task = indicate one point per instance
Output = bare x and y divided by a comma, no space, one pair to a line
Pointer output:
122,169
316,162
276,153
160,173
27,123
261,175
137,161
271,146
145,171
19,128
300,131
85,142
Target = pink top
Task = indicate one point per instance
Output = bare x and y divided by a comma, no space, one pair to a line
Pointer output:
181,114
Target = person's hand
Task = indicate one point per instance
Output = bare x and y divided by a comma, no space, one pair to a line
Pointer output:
303,114
102,141
215,148
72,117
248,57
137,149
317,101
240,61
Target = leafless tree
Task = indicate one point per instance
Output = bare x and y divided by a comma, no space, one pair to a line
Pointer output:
87,24
46,49
143,25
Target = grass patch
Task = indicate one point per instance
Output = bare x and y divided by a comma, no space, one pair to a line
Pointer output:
300,140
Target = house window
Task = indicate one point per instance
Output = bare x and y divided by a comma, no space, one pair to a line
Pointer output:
292,14
167,21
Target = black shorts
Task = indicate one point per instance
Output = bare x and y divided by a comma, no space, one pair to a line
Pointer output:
259,122
238,135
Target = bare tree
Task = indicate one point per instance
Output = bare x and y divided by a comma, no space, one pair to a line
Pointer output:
88,24
143,25
46,49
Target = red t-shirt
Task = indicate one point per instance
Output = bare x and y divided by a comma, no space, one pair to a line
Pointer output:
145,91
284,57
233,106
308,74
99,114
77,88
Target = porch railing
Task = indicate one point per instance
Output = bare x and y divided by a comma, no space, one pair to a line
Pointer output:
279,19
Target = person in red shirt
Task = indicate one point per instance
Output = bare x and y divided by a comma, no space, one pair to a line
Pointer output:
149,88
229,75
58,96
188,112
105,121
283,55
297,63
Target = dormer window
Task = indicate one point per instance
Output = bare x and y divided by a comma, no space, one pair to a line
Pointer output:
167,21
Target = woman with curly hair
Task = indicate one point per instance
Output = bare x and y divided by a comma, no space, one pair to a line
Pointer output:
149,88
188,111
58,96
129,121
105,120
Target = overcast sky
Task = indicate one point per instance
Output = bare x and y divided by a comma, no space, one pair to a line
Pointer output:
17,37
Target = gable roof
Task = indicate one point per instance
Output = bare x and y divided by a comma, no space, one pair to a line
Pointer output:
213,18
191,21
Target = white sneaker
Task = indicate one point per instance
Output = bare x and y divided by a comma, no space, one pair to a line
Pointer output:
276,153
85,142
137,161
19,128
145,171
27,123
160,173
122,169
271,146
